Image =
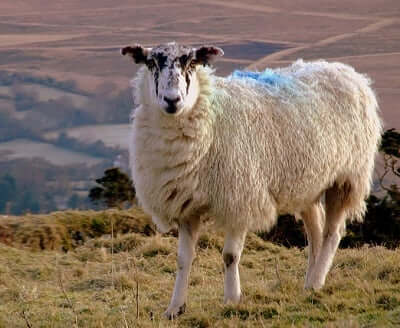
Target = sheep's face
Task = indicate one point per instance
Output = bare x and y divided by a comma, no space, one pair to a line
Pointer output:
173,84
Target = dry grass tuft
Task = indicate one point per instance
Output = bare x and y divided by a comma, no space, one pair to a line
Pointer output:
69,229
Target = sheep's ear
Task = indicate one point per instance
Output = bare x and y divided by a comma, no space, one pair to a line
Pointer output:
137,52
207,54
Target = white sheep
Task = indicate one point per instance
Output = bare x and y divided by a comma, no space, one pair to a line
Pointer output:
242,150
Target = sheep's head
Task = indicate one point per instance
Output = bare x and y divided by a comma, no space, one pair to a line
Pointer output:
173,83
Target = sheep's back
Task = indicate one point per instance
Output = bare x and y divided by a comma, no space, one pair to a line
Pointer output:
275,150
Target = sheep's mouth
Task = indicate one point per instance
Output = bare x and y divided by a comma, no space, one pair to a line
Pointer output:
171,109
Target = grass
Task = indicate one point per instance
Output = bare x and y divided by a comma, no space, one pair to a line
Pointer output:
90,287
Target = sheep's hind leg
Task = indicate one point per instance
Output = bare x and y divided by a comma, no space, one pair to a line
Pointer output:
313,224
234,242
336,199
188,236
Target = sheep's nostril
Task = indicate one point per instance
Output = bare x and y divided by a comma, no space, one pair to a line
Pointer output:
172,107
172,102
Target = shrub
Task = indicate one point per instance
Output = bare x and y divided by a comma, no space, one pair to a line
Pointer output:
115,189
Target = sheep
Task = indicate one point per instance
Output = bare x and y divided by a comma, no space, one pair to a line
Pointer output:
241,150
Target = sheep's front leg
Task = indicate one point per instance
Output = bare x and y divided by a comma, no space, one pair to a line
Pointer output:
234,241
188,236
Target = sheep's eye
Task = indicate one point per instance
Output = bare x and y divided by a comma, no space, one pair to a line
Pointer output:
151,63
184,60
161,60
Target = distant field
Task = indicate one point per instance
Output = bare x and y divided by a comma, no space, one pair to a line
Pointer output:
113,135
23,148
14,40
6,105
44,93
4,91
80,40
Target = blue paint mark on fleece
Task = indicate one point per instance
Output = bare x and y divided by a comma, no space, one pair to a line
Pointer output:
276,84
268,76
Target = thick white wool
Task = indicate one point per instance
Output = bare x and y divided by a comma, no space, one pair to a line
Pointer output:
249,151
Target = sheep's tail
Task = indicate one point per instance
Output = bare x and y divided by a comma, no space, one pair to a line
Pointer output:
356,187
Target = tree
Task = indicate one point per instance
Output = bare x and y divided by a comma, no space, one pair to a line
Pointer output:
28,202
390,147
8,190
73,202
115,189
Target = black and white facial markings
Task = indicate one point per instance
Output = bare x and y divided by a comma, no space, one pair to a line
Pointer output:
176,59
172,67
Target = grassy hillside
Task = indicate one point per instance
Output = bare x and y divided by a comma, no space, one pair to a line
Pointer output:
103,282
64,231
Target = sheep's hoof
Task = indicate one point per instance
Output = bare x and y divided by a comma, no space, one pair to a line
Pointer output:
313,286
174,312
233,300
